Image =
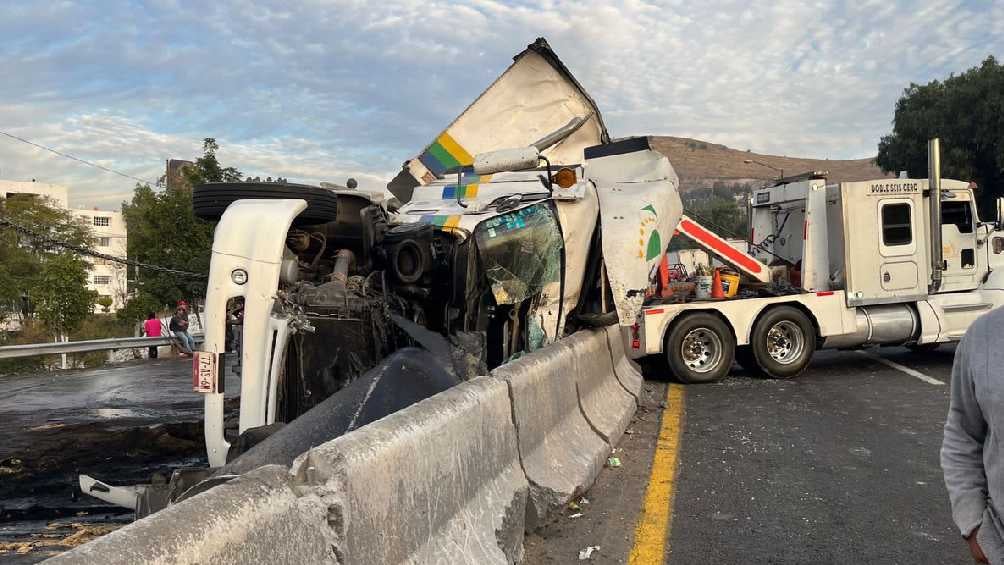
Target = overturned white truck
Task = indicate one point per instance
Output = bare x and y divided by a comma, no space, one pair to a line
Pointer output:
519,224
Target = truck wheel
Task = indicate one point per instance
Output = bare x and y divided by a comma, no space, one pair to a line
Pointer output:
700,349
210,200
784,340
746,360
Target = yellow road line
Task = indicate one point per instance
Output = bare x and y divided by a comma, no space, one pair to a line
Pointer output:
651,535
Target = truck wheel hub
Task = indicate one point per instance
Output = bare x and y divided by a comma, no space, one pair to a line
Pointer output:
785,342
701,350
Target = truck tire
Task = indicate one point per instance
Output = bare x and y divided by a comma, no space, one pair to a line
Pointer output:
210,200
783,342
700,349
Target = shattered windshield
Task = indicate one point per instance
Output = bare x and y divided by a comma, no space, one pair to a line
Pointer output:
521,252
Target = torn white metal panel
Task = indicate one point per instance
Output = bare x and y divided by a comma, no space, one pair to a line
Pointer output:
533,99
126,497
639,209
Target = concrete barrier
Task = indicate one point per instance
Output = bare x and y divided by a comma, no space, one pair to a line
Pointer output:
438,482
606,404
627,374
257,518
456,478
561,452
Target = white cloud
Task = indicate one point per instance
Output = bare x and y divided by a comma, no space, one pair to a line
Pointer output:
321,89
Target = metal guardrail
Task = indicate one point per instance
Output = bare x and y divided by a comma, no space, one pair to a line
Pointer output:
33,349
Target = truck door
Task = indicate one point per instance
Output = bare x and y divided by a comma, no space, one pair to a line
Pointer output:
898,269
958,237
884,244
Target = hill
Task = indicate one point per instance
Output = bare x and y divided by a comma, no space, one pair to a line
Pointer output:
701,164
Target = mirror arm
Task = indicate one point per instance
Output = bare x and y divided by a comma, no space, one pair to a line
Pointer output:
550,181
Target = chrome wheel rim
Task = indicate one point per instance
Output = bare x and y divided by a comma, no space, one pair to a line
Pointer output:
701,350
785,342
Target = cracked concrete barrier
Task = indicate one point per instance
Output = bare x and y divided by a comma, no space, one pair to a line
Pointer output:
561,453
259,517
629,376
607,405
438,482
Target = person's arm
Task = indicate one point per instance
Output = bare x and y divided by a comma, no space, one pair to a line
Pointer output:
965,431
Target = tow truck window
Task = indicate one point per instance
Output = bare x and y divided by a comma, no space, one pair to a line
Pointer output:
521,252
958,213
896,225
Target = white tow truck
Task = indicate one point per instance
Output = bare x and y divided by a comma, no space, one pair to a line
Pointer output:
845,265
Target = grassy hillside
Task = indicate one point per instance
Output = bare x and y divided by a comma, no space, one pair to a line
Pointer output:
701,164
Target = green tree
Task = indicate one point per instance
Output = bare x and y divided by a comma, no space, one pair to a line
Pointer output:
723,215
37,279
105,302
208,169
967,112
163,230
62,299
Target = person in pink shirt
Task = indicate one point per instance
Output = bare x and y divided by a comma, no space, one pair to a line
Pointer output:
152,328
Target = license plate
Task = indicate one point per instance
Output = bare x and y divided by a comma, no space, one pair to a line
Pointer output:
206,372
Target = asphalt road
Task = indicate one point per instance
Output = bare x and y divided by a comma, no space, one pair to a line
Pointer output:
120,423
838,466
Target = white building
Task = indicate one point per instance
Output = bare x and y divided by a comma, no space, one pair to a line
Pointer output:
107,278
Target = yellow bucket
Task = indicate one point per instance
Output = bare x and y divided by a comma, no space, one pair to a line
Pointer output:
730,284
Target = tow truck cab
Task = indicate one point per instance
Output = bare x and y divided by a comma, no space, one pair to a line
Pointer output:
845,265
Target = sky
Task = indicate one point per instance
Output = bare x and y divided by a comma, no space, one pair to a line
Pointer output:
321,90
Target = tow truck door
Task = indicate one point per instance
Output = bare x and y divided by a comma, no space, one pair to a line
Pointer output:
959,244
885,243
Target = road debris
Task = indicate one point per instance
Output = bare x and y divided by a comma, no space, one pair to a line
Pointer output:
576,515
587,553
613,462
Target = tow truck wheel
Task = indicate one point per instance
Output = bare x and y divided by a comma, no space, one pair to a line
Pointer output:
784,340
700,349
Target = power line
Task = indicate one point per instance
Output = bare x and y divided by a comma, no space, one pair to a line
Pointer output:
49,240
77,159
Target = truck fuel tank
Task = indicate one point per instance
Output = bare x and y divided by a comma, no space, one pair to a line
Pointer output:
888,324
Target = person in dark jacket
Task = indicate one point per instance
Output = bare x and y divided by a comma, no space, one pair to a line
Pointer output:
179,327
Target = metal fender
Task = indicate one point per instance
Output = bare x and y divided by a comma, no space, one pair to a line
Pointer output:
639,210
251,236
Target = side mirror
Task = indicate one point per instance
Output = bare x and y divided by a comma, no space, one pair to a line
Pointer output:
506,160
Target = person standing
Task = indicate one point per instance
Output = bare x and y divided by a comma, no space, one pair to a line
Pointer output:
152,328
179,327
972,453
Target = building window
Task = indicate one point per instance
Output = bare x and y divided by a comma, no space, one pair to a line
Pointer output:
896,224
104,241
102,221
102,279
